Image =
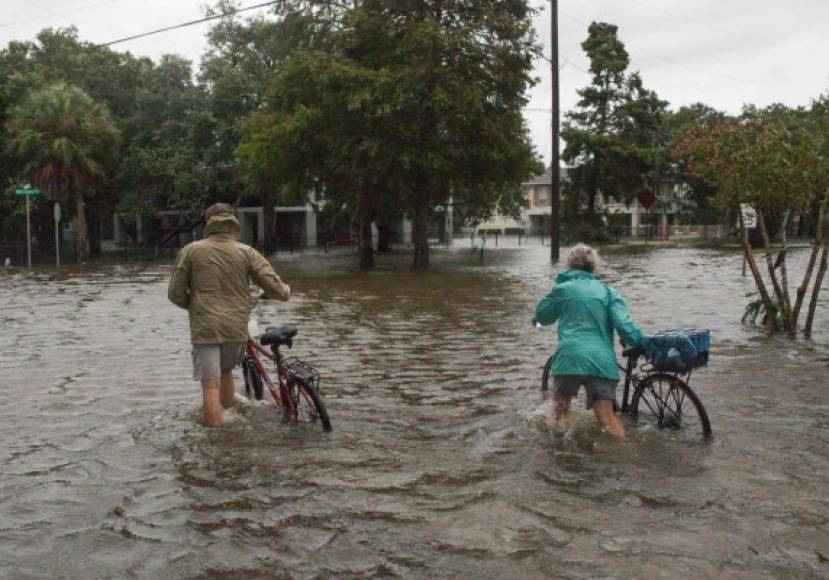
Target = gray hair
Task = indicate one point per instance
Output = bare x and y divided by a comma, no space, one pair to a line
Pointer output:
583,257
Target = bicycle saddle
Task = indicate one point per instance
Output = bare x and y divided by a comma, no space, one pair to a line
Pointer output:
278,335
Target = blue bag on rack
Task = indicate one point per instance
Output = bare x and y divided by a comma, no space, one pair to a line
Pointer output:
678,350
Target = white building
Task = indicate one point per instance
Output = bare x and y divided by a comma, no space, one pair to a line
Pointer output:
535,217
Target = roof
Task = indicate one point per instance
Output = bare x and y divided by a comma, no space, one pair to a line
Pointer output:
546,178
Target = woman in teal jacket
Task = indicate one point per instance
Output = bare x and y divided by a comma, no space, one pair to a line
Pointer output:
587,313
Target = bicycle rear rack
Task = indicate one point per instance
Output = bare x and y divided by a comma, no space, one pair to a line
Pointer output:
303,371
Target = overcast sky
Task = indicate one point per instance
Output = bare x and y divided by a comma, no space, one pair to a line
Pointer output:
722,52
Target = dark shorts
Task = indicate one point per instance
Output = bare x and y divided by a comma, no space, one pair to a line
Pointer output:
596,388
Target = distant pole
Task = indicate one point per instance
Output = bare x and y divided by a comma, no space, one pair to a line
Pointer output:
555,219
56,213
28,236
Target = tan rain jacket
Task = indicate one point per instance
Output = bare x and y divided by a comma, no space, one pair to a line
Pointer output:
211,277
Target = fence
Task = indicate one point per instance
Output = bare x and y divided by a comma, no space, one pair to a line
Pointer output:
15,254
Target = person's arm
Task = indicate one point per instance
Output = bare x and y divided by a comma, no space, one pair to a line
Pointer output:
549,307
622,322
265,277
178,291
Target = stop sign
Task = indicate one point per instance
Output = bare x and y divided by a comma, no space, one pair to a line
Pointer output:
647,198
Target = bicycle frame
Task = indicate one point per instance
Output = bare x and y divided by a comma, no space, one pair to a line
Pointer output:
278,390
633,378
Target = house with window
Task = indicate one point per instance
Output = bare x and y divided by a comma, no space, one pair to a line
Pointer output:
535,217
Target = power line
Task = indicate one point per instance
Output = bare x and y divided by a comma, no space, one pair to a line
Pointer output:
699,22
192,22
667,59
53,14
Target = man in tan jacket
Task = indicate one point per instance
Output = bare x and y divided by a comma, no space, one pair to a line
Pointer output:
210,279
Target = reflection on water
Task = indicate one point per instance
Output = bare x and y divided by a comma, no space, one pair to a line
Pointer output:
442,462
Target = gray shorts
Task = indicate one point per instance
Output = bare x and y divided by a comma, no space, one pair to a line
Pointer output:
596,388
211,361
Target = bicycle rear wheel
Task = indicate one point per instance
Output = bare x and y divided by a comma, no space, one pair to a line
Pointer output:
667,402
308,404
253,380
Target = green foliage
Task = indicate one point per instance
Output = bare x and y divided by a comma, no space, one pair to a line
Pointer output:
591,230
64,140
766,157
756,309
614,137
66,144
408,105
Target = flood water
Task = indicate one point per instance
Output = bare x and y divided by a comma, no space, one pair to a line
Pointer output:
441,463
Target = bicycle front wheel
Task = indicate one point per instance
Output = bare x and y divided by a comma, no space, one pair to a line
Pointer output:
667,402
308,404
253,380
545,378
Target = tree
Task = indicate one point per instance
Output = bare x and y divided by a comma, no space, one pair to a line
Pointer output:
781,168
677,170
242,58
414,101
65,142
614,141
315,140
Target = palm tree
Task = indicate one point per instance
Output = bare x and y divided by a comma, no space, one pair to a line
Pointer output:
65,141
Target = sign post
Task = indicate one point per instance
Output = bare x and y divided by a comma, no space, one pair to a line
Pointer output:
57,234
28,191
749,216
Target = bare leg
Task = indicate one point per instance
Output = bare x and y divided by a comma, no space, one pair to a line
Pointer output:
211,403
606,416
228,390
561,406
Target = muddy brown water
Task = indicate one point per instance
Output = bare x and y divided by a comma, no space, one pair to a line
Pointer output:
440,465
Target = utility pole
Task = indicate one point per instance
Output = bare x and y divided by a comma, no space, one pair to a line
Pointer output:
555,181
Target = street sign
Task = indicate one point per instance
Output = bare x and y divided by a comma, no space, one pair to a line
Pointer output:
56,212
27,190
647,198
749,215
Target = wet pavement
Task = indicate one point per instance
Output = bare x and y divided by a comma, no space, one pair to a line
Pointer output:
441,463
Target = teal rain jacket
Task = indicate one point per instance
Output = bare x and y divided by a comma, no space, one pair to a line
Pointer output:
587,312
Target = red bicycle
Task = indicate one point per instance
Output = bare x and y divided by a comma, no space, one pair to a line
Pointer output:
297,384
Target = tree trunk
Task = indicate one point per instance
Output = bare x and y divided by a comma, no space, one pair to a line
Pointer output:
807,277
784,276
420,234
593,192
269,223
383,237
807,330
94,227
778,289
80,240
366,249
771,323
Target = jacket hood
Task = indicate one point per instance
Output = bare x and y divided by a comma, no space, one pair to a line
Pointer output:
222,225
569,275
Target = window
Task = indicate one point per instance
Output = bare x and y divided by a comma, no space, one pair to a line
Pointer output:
541,197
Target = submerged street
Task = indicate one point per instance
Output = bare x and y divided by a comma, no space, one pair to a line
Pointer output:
441,462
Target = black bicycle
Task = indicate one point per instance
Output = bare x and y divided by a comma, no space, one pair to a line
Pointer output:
655,398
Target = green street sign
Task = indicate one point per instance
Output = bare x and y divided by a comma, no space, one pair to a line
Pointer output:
28,190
